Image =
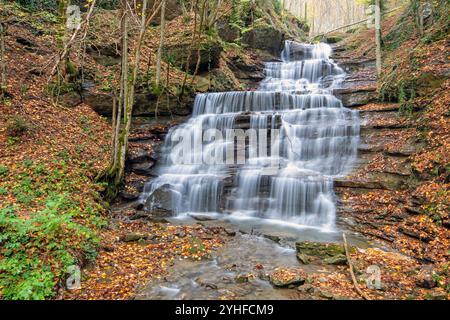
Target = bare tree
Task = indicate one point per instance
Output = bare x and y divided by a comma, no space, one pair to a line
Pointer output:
128,79
66,45
161,41
3,83
378,34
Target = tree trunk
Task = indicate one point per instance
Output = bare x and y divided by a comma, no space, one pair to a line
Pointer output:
115,173
3,83
191,48
161,41
378,35
62,40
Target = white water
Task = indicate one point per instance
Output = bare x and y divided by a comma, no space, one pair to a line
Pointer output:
317,142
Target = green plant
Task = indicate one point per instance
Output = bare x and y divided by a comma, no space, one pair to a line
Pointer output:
3,191
36,251
17,126
4,171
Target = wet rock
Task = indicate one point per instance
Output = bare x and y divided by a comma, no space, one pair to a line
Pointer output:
285,277
140,156
263,276
201,217
206,284
160,202
242,278
338,260
327,253
354,184
324,294
276,239
230,232
307,288
303,258
319,249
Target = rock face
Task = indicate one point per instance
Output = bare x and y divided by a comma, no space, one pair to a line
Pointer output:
173,10
209,56
105,54
356,97
145,103
227,32
326,253
264,38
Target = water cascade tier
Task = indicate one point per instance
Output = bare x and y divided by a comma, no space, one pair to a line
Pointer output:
297,138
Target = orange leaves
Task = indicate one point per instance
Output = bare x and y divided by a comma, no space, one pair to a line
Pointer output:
122,266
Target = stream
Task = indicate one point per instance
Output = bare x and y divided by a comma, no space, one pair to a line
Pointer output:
263,163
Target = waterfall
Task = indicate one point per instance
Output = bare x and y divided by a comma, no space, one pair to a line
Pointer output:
287,177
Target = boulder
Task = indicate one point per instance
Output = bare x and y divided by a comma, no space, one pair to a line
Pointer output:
264,38
285,277
227,32
326,253
318,249
143,168
209,55
160,202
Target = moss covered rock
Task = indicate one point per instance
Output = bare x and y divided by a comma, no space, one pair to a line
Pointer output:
327,253
208,51
264,38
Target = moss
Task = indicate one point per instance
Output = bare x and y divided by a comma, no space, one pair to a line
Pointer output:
334,38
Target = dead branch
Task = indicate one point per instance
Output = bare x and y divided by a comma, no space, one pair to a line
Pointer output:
67,46
355,283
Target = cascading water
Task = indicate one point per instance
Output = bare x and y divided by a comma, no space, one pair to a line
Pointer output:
317,141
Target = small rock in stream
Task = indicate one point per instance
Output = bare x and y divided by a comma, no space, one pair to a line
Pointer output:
242,278
285,277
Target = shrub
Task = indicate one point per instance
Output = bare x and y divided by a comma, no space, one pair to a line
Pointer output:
36,251
17,126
